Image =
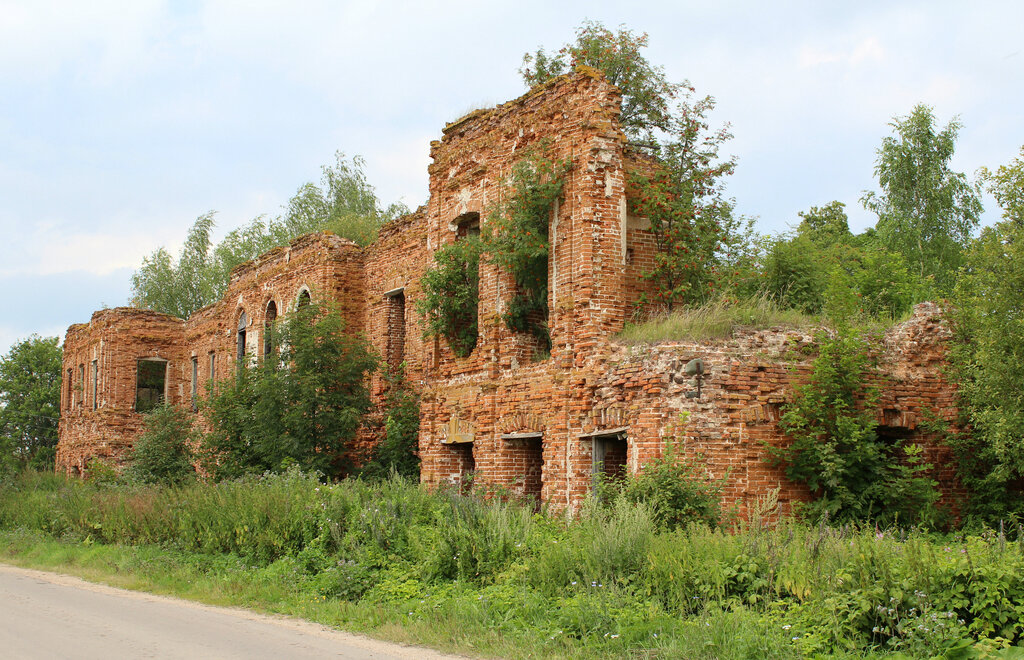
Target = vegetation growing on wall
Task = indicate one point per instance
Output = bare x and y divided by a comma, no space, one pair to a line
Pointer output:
854,474
451,295
518,239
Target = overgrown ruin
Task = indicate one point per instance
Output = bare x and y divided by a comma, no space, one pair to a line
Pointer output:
540,424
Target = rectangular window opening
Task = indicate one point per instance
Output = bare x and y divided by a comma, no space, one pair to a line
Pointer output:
609,457
150,384
396,331
213,366
81,385
195,384
95,384
69,401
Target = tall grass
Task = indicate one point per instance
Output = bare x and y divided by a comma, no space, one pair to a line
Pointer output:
715,320
464,572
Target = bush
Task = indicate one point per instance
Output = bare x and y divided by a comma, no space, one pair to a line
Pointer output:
451,295
163,453
854,474
676,491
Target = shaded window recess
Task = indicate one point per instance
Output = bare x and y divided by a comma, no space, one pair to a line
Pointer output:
466,464
243,321
150,384
81,385
268,328
467,225
396,329
195,384
303,300
95,384
609,455
213,366
526,453
69,400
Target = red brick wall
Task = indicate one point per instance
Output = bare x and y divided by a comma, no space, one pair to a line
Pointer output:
518,419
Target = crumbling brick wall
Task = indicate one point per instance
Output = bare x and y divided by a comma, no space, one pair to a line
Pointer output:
98,418
508,413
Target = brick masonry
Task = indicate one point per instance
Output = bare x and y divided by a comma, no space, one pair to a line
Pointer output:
512,416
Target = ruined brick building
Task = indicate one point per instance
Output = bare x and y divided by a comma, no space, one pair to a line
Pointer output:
540,424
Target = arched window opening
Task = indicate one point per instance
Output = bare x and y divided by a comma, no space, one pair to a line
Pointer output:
304,299
243,322
268,327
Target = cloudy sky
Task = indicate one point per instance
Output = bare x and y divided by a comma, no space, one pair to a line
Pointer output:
121,121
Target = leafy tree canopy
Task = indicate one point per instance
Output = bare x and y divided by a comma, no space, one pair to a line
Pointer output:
1007,185
301,406
926,211
343,203
646,93
30,382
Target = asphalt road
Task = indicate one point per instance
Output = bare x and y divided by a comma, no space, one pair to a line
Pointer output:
46,615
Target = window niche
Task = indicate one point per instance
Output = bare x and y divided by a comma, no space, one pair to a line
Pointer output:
150,384
395,347
243,323
95,384
268,328
609,456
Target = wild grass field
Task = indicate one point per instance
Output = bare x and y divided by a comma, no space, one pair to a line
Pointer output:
490,577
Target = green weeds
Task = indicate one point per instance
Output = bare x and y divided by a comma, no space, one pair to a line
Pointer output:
495,578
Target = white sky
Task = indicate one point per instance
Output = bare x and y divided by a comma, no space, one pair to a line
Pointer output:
120,122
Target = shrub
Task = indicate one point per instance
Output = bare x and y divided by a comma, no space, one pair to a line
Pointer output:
451,295
163,453
676,491
835,450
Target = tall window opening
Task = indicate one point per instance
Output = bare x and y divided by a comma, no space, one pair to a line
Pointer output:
213,366
195,383
95,384
69,401
150,384
81,385
303,299
268,328
396,329
243,321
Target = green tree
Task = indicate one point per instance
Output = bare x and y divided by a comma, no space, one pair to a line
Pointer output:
989,356
926,211
301,406
343,203
646,93
1007,185
164,454
30,380
451,295
854,474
